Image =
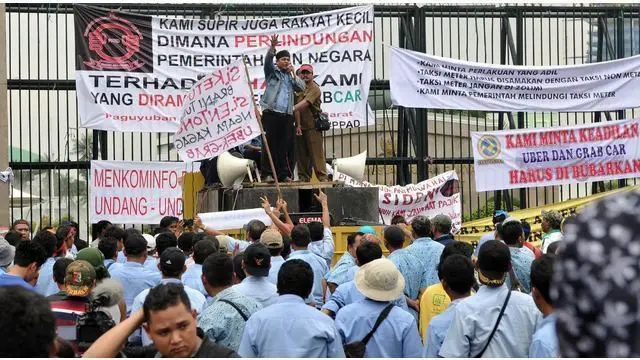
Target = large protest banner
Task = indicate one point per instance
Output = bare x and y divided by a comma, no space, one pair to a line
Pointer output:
132,192
133,70
437,195
419,80
511,159
219,114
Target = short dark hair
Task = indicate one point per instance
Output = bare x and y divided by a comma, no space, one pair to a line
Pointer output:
255,228
18,222
164,241
275,251
114,232
48,241
282,53
541,274
286,246
61,233
159,230
210,238
510,232
394,236
458,273
28,252
218,269
164,296
351,239
367,252
168,221
553,247
131,232
202,249
97,228
27,324
185,241
237,266
295,277
316,230
300,235
60,269
421,225
526,230
454,248
108,246
12,237
398,219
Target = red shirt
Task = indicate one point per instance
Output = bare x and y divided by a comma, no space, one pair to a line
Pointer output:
535,250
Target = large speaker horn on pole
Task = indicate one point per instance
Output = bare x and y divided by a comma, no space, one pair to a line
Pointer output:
232,170
352,166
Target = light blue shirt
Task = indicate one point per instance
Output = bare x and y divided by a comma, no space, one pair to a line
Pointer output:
151,264
108,263
348,293
45,285
222,323
276,264
121,258
193,278
483,239
282,99
319,267
521,259
437,331
258,288
325,247
545,342
7,279
337,275
242,244
397,336
428,253
476,316
290,328
134,278
196,299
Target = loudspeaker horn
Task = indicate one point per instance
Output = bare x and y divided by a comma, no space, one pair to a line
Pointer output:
352,166
232,170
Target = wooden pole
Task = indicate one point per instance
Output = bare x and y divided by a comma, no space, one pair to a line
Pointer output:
264,138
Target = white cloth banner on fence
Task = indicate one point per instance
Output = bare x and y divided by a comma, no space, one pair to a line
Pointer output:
511,159
136,192
437,195
234,219
218,116
419,80
132,71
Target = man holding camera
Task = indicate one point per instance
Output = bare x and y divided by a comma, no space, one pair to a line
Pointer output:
309,147
277,111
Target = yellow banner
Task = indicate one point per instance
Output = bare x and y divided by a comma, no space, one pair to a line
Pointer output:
472,231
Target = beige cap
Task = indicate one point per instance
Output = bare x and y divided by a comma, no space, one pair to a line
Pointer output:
380,280
272,239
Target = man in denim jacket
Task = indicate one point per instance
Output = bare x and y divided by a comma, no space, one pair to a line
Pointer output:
277,112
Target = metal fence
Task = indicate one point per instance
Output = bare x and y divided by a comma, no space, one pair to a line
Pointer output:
50,153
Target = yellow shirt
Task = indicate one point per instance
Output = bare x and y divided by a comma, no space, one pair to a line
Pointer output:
433,302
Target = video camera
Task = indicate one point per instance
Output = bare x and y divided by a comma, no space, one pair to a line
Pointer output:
93,323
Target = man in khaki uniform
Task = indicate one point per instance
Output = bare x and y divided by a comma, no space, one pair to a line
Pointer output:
309,146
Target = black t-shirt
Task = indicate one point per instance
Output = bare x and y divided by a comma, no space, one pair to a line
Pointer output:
208,349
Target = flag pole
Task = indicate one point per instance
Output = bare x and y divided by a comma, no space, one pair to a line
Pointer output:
264,137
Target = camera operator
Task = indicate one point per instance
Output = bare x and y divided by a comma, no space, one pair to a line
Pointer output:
171,325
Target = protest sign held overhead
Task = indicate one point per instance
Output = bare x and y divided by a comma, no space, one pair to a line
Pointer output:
437,195
512,159
132,71
419,80
218,115
132,192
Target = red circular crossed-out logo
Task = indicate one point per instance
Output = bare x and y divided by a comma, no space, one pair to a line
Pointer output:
116,41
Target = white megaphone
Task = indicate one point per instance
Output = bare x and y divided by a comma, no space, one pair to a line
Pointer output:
351,166
232,170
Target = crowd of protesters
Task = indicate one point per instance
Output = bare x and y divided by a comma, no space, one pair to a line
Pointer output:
196,292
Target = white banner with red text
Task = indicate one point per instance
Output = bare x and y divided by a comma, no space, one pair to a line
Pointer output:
218,116
419,80
132,71
511,159
136,192
234,219
434,196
